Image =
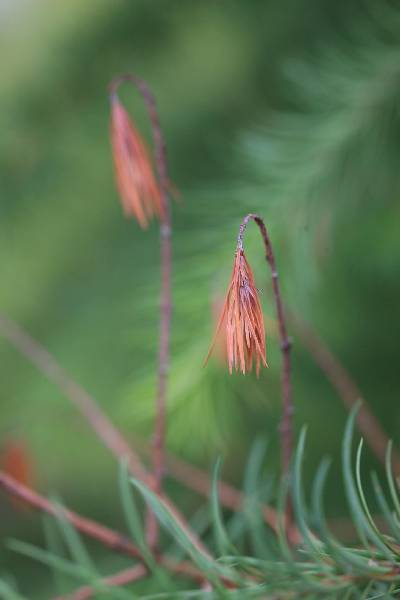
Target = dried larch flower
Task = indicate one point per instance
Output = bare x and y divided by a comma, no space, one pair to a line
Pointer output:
243,319
136,182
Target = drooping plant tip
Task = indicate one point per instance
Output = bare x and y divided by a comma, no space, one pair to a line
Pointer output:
243,320
135,179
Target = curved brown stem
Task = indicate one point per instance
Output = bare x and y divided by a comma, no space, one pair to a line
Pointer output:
166,302
346,388
286,426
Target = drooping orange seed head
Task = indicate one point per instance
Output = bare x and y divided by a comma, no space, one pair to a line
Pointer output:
136,182
242,314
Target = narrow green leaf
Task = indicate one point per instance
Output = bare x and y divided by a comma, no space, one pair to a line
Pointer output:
131,512
349,486
134,523
210,568
360,487
322,578
236,528
253,468
55,546
345,558
75,571
73,540
361,523
221,538
132,515
78,572
377,538
255,493
298,499
283,494
308,583
199,523
384,506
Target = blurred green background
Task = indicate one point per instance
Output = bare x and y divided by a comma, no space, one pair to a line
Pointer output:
288,109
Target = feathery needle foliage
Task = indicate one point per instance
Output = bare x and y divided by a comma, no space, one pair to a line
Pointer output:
318,566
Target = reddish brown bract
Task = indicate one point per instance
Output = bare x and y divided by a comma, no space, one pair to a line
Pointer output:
242,314
136,183
16,461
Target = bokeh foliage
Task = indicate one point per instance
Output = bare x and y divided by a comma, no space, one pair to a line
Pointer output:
287,110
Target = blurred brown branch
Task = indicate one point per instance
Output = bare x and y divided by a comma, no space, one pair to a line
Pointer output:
189,475
346,388
86,404
41,358
108,537
105,535
199,481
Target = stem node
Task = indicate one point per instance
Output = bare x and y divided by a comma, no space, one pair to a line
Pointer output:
286,344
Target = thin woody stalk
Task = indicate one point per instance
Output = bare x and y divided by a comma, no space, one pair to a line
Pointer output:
347,389
286,426
90,410
45,362
165,304
104,535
